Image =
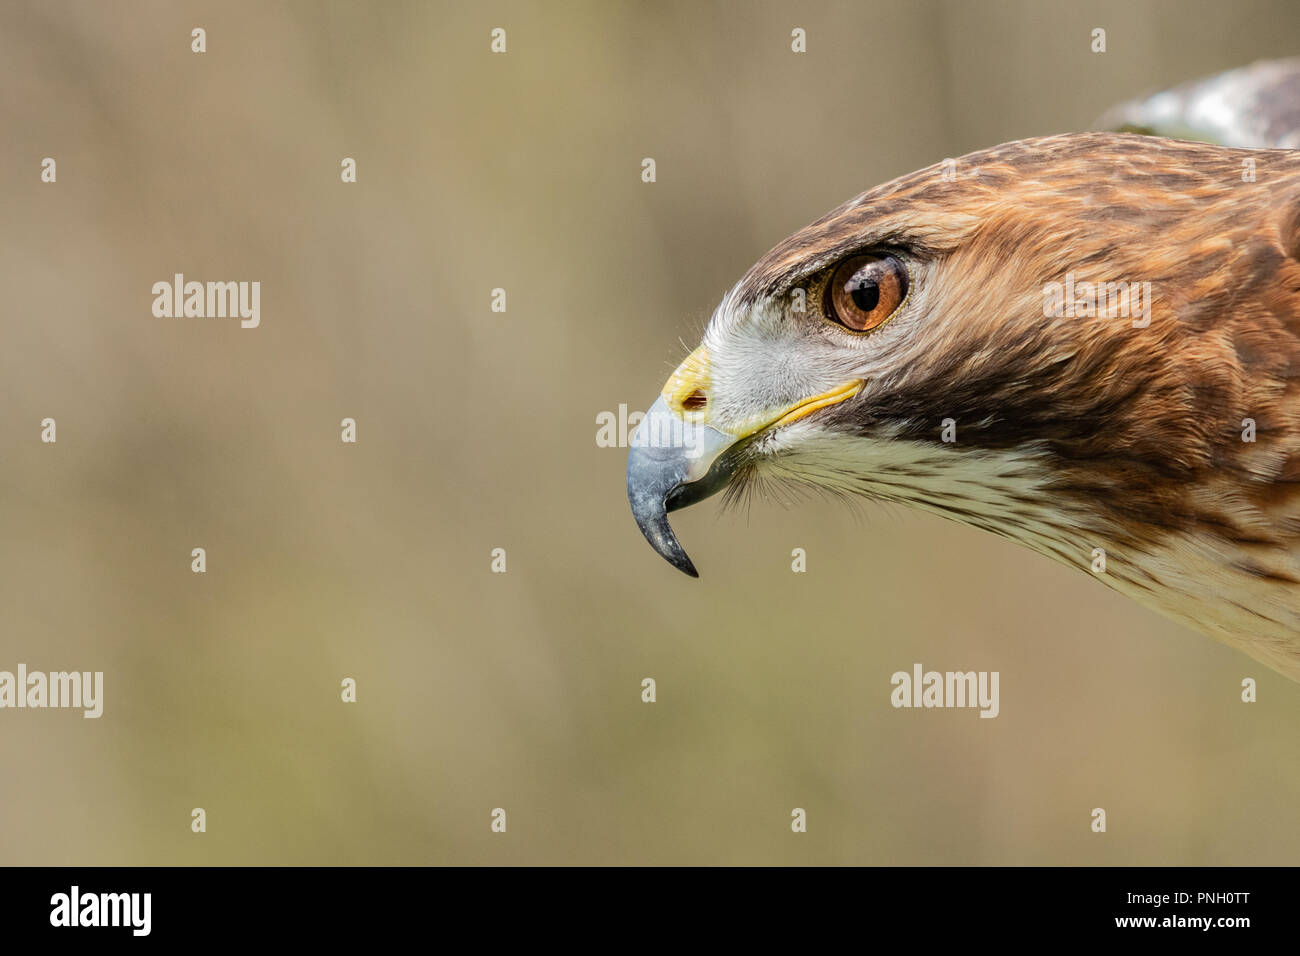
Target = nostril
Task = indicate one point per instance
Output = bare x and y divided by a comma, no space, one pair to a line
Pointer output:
694,401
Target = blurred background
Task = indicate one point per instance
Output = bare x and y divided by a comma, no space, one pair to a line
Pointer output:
477,430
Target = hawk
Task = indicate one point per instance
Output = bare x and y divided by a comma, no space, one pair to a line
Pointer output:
1087,343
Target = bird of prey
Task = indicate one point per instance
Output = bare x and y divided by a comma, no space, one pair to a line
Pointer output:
1087,343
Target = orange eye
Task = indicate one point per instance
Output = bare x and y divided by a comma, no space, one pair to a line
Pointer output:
864,291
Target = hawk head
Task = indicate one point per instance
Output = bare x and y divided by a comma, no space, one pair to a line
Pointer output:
1087,343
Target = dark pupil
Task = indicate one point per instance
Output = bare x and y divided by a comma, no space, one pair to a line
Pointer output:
865,293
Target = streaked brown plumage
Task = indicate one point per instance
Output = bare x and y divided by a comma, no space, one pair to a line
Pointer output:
1073,433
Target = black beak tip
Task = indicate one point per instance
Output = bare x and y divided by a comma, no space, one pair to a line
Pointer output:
651,516
678,558
686,567
654,525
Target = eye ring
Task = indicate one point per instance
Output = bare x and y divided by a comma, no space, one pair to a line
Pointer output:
865,291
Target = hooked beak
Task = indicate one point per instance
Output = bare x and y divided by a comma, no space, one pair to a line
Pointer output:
680,456
674,463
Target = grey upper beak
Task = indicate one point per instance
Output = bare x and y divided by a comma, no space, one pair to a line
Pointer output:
674,463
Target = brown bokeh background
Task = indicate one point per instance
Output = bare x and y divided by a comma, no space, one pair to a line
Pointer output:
477,430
